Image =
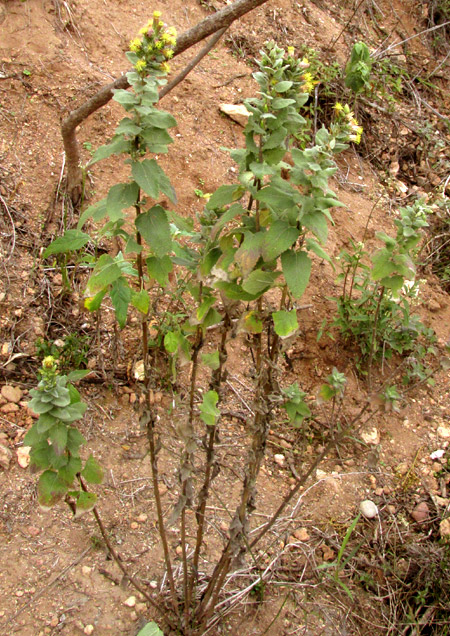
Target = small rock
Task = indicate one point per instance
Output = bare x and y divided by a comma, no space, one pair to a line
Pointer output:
236,112
437,454
23,456
86,570
20,593
11,393
133,398
130,602
371,437
402,468
141,608
88,630
5,456
433,305
10,407
391,509
302,534
279,459
444,432
153,584
320,474
421,512
379,492
328,553
179,550
368,509
444,528
33,531
142,518
134,525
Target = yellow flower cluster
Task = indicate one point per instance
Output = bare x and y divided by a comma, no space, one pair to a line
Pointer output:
308,82
352,125
155,48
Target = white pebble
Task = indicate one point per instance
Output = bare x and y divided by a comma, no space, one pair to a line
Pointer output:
368,509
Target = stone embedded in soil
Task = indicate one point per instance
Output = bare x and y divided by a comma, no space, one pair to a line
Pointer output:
433,305
236,112
23,456
12,393
444,529
142,518
301,534
421,512
279,459
444,432
371,437
368,509
328,553
5,456
130,602
10,407
88,630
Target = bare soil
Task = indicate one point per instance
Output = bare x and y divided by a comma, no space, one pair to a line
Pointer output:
55,575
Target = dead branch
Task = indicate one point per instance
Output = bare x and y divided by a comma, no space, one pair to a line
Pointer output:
202,30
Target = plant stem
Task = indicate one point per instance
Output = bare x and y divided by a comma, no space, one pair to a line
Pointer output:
149,418
118,560
373,338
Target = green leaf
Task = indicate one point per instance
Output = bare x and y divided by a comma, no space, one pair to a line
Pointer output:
116,146
33,437
128,127
92,471
50,489
93,303
285,323
67,473
171,342
120,294
78,374
278,198
154,227
317,223
146,174
106,271
74,440
141,300
70,413
160,119
120,196
209,411
224,195
124,97
96,212
85,502
313,246
211,360
258,281
58,438
45,422
281,102
70,241
38,406
296,270
151,629
233,291
159,269
249,252
282,87
40,454
276,139
280,237
250,322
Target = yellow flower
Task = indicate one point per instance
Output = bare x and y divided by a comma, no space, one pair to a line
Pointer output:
308,83
172,31
135,45
338,107
48,362
140,66
157,14
291,51
304,63
165,67
168,53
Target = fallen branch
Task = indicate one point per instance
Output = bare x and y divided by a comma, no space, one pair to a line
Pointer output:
213,23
